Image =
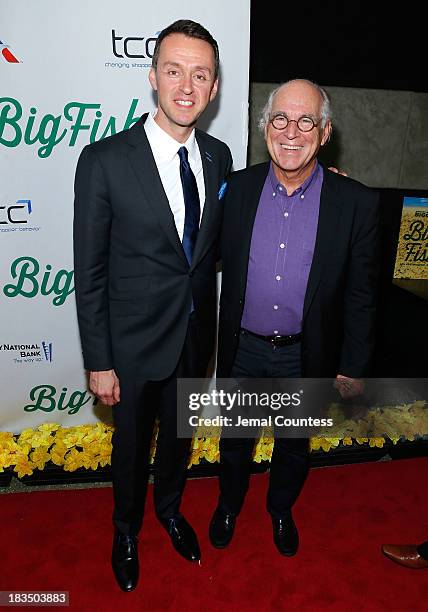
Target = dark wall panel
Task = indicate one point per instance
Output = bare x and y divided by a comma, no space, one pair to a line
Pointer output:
343,44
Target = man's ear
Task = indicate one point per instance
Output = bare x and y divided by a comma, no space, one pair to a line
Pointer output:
326,133
152,79
214,90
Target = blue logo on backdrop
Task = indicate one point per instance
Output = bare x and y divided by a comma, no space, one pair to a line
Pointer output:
29,352
16,217
47,350
132,51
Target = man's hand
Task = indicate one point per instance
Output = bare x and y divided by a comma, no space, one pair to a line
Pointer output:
349,387
336,171
106,387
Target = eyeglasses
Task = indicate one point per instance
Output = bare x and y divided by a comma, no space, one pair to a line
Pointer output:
305,124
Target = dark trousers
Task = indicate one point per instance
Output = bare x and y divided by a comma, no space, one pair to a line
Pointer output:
256,358
140,403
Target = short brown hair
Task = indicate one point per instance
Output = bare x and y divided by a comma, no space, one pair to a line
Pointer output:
192,30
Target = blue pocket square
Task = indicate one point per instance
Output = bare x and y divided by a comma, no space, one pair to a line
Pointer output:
222,190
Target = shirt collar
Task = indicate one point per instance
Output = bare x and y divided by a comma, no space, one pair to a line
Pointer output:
165,147
303,187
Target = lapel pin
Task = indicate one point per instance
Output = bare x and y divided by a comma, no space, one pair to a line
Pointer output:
222,190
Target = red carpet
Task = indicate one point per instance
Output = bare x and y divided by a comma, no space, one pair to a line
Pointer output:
61,540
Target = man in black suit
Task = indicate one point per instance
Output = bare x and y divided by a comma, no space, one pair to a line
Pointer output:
147,217
298,289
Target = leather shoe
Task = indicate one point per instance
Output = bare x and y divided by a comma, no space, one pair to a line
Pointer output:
406,555
221,530
124,560
183,538
285,535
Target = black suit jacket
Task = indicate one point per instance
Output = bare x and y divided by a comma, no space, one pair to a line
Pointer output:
134,286
339,307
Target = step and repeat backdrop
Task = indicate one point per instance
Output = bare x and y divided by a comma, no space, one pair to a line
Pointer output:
70,76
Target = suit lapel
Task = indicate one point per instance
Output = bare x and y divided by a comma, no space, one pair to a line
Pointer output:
247,214
143,163
328,220
211,204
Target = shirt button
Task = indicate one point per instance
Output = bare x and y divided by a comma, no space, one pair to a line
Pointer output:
280,188
275,307
278,277
302,197
275,331
282,245
274,194
286,214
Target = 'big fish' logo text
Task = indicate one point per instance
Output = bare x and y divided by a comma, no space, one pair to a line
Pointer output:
28,283
49,130
47,399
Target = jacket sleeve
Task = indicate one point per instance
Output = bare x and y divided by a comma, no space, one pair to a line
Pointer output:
91,235
361,290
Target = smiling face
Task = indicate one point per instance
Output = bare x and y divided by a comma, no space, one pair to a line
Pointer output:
185,83
292,151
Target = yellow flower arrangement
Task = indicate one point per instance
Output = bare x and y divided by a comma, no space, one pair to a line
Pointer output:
264,447
89,446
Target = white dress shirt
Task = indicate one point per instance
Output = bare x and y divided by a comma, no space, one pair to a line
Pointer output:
165,152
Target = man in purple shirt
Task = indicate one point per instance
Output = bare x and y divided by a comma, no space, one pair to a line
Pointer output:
298,289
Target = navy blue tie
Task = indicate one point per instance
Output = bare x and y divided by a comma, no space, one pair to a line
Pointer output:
191,205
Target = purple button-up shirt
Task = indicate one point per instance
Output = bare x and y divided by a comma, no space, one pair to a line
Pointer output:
282,247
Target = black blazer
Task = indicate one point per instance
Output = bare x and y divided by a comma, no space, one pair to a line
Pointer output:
339,307
134,287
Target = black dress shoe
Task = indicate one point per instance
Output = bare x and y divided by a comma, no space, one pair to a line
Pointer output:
285,536
124,560
183,538
221,529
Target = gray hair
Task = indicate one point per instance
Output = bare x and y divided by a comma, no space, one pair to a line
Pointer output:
325,105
